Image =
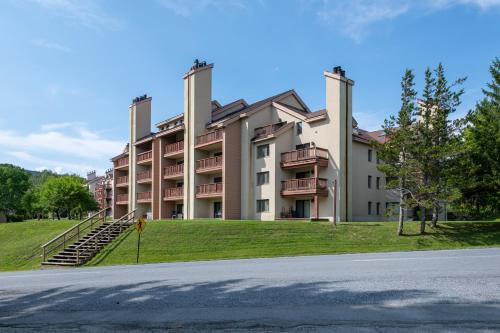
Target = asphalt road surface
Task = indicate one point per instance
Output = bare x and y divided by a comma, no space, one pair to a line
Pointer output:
432,291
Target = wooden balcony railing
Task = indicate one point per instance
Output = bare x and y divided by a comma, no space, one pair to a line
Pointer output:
213,189
304,186
122,198
264,131
209,163
145,156
304,154
173,148
144,196
174,192
144,175
121,162
209,137
122,180
173,170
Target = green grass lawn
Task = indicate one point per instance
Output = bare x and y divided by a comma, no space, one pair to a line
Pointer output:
164,241
20,242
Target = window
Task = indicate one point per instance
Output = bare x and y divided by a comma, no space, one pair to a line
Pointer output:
262,151
369,181
262,178
262,206
303,146
217,179
218,154
299,128
378,183
378,208
378,159
369,155
369,208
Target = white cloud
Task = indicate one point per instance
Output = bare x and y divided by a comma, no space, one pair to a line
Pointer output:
69,145
55,90
51,45
353,18
187,8
86,13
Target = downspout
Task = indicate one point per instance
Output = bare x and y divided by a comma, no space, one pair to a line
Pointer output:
187,169
347,150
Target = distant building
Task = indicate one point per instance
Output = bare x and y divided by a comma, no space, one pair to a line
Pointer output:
102,189
268,160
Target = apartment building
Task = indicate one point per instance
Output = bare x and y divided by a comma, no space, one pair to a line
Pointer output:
102,189
268,160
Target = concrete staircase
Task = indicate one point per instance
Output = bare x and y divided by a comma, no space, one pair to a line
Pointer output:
79,244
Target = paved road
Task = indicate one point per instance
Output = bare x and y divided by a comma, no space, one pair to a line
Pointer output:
438,291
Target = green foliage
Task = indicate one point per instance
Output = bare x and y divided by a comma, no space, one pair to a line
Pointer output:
478,170
14,182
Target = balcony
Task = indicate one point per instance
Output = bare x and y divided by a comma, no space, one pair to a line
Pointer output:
174,172
209,165
304,186
213,190
122,199
209,141
173,194
144,177
121,163
145,158
304,157
174,150
122,181
264,131
144,197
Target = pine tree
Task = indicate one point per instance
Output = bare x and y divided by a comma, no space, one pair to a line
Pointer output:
478,171
397,152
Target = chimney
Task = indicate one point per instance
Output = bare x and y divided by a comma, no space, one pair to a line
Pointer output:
197,114
339,108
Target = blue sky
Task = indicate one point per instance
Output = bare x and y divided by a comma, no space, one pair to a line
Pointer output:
70,68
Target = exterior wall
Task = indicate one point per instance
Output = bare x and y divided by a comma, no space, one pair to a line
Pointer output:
231,206
265,191
157,176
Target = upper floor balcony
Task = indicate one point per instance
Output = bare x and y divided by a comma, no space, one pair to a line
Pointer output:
174,150
121,163
304,157
144,177
121,181
173,194
174,171
144,197
264,131
122,199
304,186
213,190
145,158
210,140
209,165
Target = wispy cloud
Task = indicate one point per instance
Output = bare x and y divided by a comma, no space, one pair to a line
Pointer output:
87,13
187,8
70,146
56,90
51,45
353,18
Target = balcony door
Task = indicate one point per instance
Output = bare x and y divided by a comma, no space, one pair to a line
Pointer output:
217,210
302,209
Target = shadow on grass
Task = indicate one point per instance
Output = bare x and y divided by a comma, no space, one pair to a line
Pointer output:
476,234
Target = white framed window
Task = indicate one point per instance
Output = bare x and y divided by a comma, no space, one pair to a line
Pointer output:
263,206
262,151
369,208
262,178
299,128
369,155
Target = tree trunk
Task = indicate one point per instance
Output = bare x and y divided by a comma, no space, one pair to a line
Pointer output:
422,221
57,214
434,217
401,213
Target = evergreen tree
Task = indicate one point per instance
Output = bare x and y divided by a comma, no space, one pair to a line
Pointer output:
478,171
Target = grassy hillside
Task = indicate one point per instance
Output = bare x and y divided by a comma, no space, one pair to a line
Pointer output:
165,241
20,242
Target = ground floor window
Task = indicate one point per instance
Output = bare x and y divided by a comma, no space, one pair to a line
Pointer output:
262,206
378,208
369,208
217,210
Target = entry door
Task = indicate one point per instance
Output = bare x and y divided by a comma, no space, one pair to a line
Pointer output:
217,209
302,208
180,208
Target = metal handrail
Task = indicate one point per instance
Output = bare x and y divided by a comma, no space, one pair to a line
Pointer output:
96,237
64,240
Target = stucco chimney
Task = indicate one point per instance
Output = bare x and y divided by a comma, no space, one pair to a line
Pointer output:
197,114
339,108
